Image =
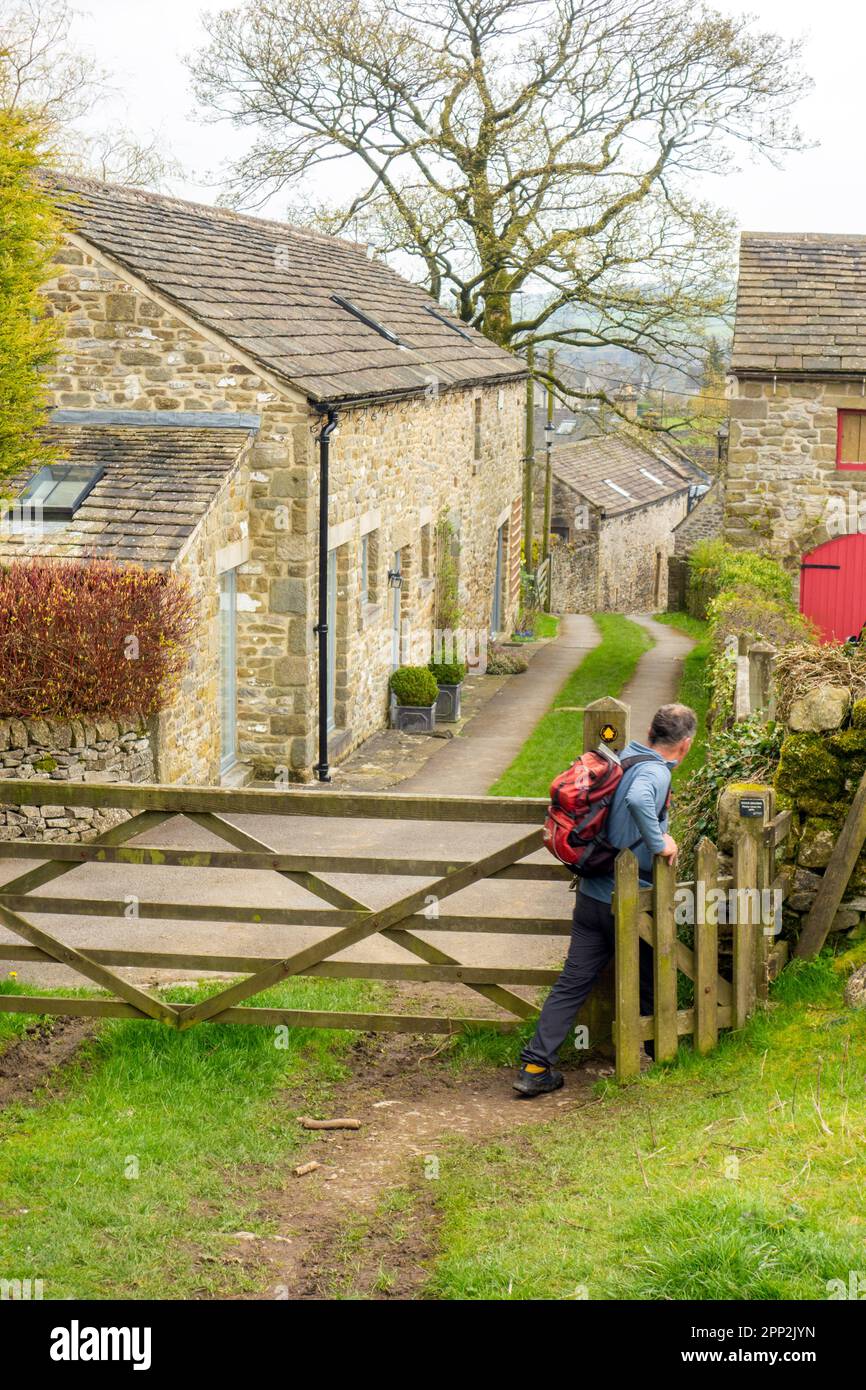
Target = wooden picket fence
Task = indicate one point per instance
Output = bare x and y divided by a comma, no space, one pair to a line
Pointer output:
744,903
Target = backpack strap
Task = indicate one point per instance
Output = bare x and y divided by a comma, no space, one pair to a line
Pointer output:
632,761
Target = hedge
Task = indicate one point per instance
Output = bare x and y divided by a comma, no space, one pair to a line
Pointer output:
93,638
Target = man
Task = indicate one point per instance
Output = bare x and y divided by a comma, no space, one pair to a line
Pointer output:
638,820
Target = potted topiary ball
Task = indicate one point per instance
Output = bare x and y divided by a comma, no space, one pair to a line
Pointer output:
413,700
450,676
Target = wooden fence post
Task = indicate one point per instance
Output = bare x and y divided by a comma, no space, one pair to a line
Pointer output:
664,960
766,873
606,721
706,1032
744,929
627,1022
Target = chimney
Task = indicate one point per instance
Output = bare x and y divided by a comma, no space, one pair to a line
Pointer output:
626,401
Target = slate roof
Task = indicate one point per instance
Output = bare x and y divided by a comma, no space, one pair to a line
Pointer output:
267,287
587,465
801,304
157,486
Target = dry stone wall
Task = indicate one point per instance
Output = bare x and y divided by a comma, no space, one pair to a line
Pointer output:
821,765
77,750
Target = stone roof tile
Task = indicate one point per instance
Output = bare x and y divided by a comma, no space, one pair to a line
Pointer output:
267,287
801,304
586,465
157,486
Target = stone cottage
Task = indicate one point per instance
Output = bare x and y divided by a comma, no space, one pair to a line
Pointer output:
796,473
616,499
201,353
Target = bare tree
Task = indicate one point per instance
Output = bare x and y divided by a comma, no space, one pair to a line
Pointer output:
40,68
117,157
539,152
44,75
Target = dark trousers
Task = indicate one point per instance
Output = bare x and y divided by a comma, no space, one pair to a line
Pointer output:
592,946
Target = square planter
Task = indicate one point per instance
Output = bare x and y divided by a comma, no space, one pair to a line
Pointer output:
413,719
448,703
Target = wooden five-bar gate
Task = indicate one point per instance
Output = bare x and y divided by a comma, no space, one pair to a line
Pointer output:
347,920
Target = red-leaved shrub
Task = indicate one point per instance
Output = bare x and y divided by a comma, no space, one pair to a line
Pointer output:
90,639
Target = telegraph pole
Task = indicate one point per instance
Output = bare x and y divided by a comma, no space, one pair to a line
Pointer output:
529,460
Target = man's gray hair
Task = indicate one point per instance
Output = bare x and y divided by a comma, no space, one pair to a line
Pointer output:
671,724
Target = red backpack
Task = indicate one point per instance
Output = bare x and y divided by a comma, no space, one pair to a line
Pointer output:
580,800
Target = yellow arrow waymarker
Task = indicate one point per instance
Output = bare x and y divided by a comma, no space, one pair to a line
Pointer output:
608,733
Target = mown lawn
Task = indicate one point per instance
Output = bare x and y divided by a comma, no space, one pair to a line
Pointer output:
693,689
558,737
546,626
152,1153
738,1176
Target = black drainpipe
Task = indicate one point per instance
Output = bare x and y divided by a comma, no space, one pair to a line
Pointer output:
322,769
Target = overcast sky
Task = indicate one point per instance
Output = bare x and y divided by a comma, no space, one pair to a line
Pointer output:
142,43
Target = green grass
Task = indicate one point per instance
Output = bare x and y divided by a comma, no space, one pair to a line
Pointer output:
710,1179
557,738
196,1115
693,689
546,626
13,1027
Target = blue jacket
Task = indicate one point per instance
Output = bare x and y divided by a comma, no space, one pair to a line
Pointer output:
637,813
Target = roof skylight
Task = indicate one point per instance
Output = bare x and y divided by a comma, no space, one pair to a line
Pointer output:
58,489
652,477
367,319
455,327
621,490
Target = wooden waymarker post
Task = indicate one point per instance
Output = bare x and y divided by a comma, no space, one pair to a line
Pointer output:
606,721
756,808
745,930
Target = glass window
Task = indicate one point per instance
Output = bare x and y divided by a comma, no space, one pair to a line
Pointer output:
60,488
370,568
365,569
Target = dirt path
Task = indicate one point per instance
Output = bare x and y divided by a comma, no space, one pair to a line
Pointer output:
28,1065
657,677
364,1223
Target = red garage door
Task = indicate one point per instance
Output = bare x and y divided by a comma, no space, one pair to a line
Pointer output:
833,587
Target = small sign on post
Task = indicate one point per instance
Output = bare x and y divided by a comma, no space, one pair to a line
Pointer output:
606,721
